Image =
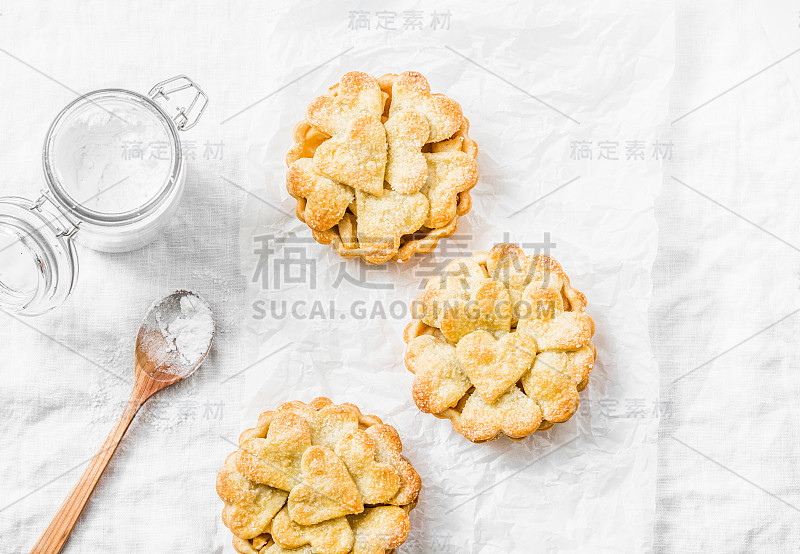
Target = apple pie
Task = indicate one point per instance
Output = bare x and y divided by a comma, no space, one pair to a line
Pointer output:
500,344
318,478
382,168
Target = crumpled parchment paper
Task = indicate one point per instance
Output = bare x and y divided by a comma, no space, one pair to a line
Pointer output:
544,87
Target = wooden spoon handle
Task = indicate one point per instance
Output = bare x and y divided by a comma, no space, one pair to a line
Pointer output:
56,534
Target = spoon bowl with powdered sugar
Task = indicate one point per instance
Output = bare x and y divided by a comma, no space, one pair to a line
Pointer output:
174,339
175,336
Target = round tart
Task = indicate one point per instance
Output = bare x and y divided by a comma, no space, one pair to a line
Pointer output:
500,344
318,478
382,168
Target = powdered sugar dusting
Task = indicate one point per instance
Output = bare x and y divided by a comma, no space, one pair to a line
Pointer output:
190,334
177,333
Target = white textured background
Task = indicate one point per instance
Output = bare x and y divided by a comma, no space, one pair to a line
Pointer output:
724,280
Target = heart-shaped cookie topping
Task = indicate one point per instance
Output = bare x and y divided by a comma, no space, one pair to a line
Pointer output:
389,450
509,264
382,220
380,529
552,390
377,483
494,366
488,309
513,413
411,91
449,173
329,537
249,507
276,459
575,365
444,292
406,167
326,200
357,94
327,423
357,156
543,317
327,491
439,381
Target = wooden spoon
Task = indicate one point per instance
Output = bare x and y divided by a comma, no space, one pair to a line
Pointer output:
159,363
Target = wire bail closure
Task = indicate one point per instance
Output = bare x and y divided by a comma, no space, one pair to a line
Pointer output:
186,116
63,225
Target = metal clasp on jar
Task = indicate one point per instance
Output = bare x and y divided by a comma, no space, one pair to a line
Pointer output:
63,225
187,116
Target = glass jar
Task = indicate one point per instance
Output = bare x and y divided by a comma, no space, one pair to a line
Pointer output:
115,176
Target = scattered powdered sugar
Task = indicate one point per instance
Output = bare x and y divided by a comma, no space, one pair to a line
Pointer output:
189,334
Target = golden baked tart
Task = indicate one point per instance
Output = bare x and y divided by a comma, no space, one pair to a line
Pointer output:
318,478
500,344
382,168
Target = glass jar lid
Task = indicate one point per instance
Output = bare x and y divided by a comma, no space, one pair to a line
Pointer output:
111,156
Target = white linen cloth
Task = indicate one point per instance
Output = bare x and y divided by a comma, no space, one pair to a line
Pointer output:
724,473
726,278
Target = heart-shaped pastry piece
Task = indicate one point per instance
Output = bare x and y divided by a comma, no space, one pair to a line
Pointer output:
513,413
326,200
462,300
488,309
494,366
543,317
449,173
439,381
329,537
377,482
357,156
411,91
327,422
382,220
389,450
276,459
406,167
509,264
575,364
556,395
443,292
379,529
357,94
249,507
326,492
